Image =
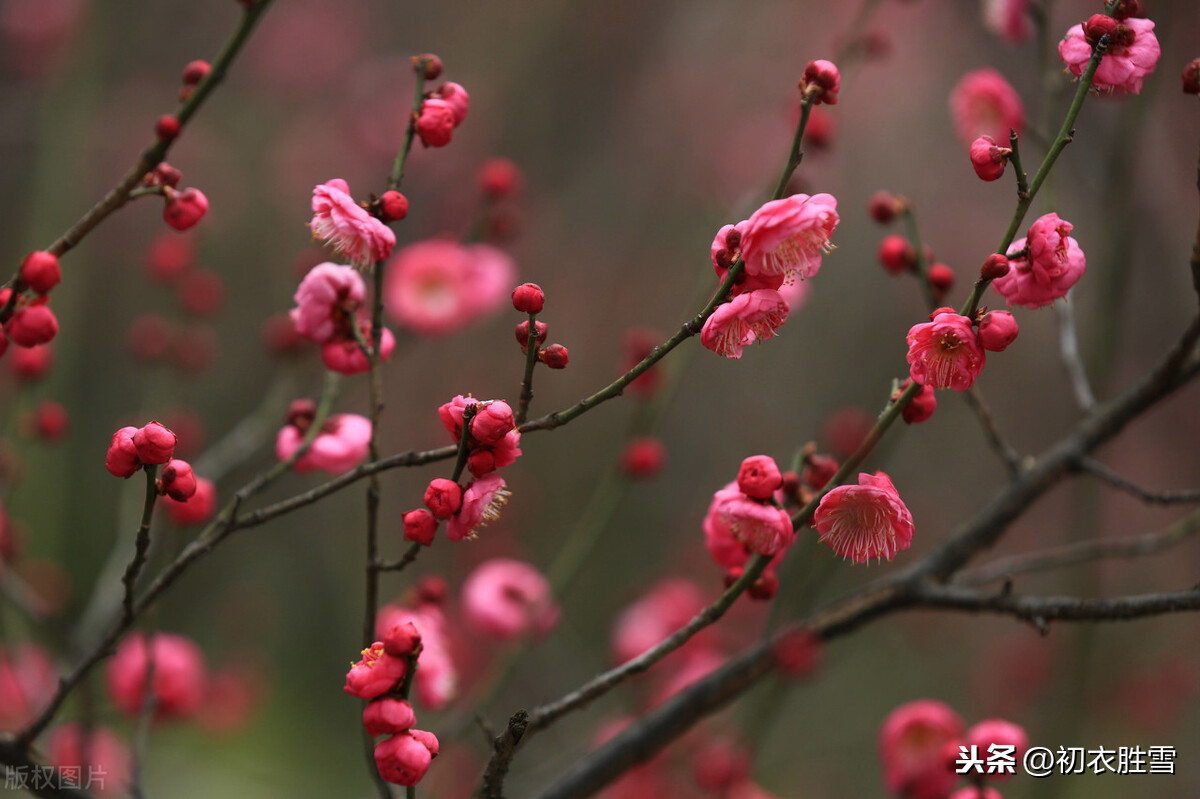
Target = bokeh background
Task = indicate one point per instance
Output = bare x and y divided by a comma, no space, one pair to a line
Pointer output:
640,129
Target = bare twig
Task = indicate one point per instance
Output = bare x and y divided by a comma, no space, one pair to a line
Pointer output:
141,545
1095,467
1068,348
1006,453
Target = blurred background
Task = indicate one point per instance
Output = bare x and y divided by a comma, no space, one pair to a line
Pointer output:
640,129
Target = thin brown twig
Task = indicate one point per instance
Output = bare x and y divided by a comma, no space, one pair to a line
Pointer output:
1110,476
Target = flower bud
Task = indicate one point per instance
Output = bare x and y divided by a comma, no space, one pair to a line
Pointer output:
995,266
155,444
165,175
528,298
555,356
883,206
822,80
33,325
941,279
197,509
201,292
429,63
759,476
523,334
40,271
435,124
427,739
1191,77
765,587
50,421
185,208
499,178
443,497
122,458
402,641
387,716
988,159
167,127
643,457
393,206
402,759
997,329
1098,25
195,72
492,422
420,526
1129,8
897,254
922,405
30,363
178,481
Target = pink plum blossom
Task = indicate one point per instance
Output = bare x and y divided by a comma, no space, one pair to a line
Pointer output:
481,504
402,759
180,676
1008,19
787,237
865,521
375,673
27,682
998,732
1132,54
983,103
347,227
326,301
760,526
94,752
747,318
436,680
507,599
340,446
1053,265
438,286
912,745
945,352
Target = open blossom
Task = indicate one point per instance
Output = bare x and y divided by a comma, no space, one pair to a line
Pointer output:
375,673
1008,19
865,521
340,446
787,237
1132,54
912,745
760,526
180,677
1053,265
439,286
506,599
747,318
344,224
945,352
326,301
983,103
481,503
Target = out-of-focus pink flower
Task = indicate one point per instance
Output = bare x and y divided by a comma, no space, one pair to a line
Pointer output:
40,271
196,509
341,445
481,503
747,318
436,681
347,227
696,665
101,760
1008,19
233,694
31,363
508,599
787,237
1132,54
983,103
36,31
375,673
27,681
668,605
180,677
997,732
439,286
945,352
346,357
402,759
1053,265
988,159
326,302
388,716
973,792
912,742
865,521
720,763
500,178
761,527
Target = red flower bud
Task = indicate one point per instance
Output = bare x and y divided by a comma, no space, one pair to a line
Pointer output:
420,526
643,457
443,497
122,458
1191,77
402,640
921,407
528,298
178,481
997,329
822,80
995,266
40,271
499,178
883,206
523,334
393,206
185,208
431,64
154,443
759,476
195,72
1098,25
167,127
555,356
33,325
897,254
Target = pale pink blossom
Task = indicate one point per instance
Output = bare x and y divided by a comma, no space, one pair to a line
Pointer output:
347,227
482,501
436,680
341,445
667,606
326,302
1053,265
439,286
912,745
1132,54
93,752
507,599
760,526
747,318
180,676
865,521
787,237
945,352
1008,19
983,103
375,673
27,682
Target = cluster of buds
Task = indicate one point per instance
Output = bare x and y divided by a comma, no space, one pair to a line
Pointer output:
184,207
327,304
31,323
529,298
443,109
897,255
383,676
134,448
